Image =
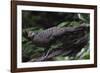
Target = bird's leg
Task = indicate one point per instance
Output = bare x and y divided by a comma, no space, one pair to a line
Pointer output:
48,49
45,55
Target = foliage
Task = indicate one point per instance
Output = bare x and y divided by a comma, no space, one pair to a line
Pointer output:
38,21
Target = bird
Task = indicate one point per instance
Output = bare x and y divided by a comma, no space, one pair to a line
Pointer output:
71,37
44,38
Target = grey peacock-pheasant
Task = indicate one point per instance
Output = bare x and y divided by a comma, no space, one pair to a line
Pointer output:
72,40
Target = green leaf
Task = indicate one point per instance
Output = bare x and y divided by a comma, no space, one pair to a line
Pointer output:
62,24
24,39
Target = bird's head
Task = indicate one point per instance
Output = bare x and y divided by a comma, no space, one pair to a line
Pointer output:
31,34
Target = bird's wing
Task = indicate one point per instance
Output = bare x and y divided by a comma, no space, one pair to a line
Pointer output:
57,31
